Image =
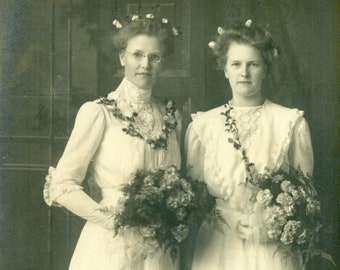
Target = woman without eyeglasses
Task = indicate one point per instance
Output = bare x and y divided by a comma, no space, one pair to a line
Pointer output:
271,135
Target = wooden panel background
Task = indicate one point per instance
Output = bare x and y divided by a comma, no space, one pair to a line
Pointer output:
55,55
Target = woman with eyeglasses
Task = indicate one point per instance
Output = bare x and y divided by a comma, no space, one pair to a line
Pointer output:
112,138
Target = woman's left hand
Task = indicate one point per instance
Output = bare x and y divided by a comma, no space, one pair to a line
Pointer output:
244,230
252,229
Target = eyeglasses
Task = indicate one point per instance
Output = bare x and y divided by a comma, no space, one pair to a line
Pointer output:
139,55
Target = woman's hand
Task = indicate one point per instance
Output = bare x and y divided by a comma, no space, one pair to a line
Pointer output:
244,230
252,231
82,205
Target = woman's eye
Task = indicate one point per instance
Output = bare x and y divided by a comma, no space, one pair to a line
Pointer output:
235,64
155,57
254,64
137,55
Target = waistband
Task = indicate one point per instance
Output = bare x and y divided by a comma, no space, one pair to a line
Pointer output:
111,195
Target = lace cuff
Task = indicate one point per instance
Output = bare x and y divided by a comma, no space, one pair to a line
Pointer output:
55,187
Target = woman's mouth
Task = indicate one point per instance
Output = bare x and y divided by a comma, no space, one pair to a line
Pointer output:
143,74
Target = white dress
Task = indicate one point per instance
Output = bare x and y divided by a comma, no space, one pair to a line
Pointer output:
98,145
274,137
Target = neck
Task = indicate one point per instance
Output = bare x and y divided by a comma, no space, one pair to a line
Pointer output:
247,101
134,94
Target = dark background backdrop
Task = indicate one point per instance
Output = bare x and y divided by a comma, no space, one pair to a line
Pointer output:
55,55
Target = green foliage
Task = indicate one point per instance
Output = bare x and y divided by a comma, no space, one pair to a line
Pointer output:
167,204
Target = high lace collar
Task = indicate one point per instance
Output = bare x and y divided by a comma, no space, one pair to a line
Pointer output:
246,108
248,120
132,93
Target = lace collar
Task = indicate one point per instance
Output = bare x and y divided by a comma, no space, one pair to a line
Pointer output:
247,120
128,91
247,108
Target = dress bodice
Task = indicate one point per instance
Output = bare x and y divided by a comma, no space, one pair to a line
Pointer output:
99,145
274,137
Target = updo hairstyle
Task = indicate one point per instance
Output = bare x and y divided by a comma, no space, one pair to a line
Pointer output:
246,33
145,25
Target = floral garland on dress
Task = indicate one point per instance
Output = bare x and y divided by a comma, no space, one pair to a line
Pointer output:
158,142
291,212
232,128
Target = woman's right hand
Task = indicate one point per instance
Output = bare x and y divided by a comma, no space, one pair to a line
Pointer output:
82,205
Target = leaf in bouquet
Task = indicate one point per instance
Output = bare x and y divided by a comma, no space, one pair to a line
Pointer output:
304,180
203,200
174,253
286,252
168,243
139,214
327,256
180,232
181,214
300,213
135,185
216,221
314,251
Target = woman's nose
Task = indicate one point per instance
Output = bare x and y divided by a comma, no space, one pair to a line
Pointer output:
244,71
145,63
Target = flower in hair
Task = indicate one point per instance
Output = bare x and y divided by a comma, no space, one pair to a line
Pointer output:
212,44
220,30
117,24
149,16
248,23
275,53
175,31
164,20
135,18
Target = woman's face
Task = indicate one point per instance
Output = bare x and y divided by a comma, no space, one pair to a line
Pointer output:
245,70
142,60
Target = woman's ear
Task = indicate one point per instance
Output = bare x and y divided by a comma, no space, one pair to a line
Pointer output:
122,59
226,73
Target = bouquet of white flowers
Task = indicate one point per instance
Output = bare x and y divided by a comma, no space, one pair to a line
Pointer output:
290,210
161,208
286,201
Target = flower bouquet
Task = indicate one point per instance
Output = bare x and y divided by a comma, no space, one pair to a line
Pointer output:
161,208
287,202
290,210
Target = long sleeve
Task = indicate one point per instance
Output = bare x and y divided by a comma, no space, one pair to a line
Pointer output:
63,185
300,151
194,151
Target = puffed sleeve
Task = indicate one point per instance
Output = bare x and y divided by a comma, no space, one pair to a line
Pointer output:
81,147
194,151
63,184
300,151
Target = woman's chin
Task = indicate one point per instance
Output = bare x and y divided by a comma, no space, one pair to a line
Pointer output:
144,82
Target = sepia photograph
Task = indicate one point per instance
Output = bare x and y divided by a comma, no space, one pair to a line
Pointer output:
169,134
